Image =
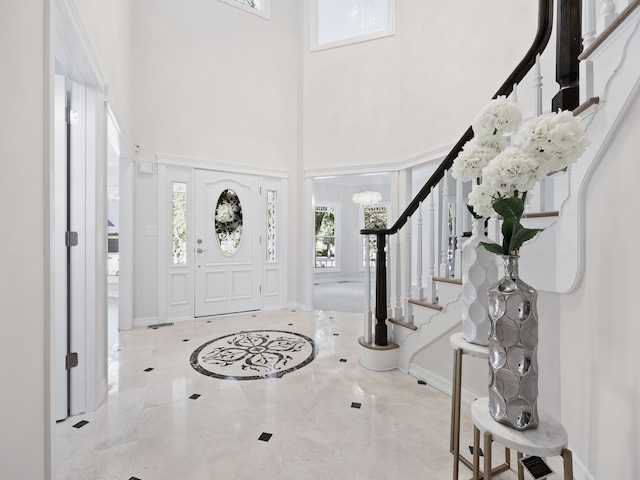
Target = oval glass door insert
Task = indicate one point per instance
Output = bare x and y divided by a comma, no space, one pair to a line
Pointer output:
228,222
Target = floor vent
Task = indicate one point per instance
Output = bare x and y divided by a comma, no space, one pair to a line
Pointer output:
158,325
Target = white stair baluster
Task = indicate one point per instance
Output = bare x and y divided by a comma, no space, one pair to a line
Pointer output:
420,246
607,14
367,291
537,199
407,273
444,248
431,289
459,230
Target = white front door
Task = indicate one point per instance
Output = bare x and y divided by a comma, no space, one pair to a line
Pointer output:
228,228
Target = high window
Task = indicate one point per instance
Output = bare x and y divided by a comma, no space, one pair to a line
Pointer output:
342,22
258,7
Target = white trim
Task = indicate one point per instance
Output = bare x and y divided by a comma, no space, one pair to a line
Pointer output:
145,321
418,160
81,64
208,164
264,12
580,472
314,46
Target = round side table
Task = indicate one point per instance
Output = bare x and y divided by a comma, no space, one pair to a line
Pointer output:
547,440
462,347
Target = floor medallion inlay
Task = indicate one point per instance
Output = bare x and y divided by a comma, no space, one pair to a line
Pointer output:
253,355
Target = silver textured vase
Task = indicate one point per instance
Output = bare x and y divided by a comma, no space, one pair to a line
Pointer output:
513,345
479,272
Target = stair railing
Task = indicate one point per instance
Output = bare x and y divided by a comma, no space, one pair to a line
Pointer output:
543,33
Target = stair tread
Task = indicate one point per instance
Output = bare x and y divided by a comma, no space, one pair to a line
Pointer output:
422,303
455,281
402,323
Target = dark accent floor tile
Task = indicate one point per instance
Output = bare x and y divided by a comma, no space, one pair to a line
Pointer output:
291,324
536,467
195,396
148,369
336,334
185,340
134,478
343,360
421,382
265,437
355,405
471,450
80,424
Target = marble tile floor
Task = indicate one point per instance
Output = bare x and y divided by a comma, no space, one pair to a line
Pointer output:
330,419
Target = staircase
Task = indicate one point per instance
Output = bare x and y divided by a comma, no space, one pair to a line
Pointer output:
426,280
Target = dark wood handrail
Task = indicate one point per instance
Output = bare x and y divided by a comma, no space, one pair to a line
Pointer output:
545,25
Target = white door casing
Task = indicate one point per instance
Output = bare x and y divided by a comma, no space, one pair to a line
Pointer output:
59,226
227,282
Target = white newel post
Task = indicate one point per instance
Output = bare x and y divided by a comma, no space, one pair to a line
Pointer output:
444,248
419,249
431,285
367,292
459,229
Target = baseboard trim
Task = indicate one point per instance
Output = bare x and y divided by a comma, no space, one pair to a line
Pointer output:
145,321
441,384
580,472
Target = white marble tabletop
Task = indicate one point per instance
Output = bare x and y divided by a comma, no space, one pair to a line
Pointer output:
457,341
545,441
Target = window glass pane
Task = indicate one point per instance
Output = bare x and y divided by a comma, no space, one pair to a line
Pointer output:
272,251
228,222
325,253
340,20
179,223
374,217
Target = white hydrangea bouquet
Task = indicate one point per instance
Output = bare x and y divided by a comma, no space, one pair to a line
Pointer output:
505,174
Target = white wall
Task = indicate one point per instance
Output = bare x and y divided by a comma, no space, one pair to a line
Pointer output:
24,351
412,93
598,324
216,83
110,28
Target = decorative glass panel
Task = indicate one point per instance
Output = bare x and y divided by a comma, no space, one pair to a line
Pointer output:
272,197
228,222
374,217
179,223
325,237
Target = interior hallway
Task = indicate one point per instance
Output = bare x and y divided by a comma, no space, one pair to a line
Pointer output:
330,418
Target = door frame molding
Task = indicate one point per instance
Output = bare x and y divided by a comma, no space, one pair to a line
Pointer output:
171,168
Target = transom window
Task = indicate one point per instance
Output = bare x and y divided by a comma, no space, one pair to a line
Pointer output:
342,22
258,7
